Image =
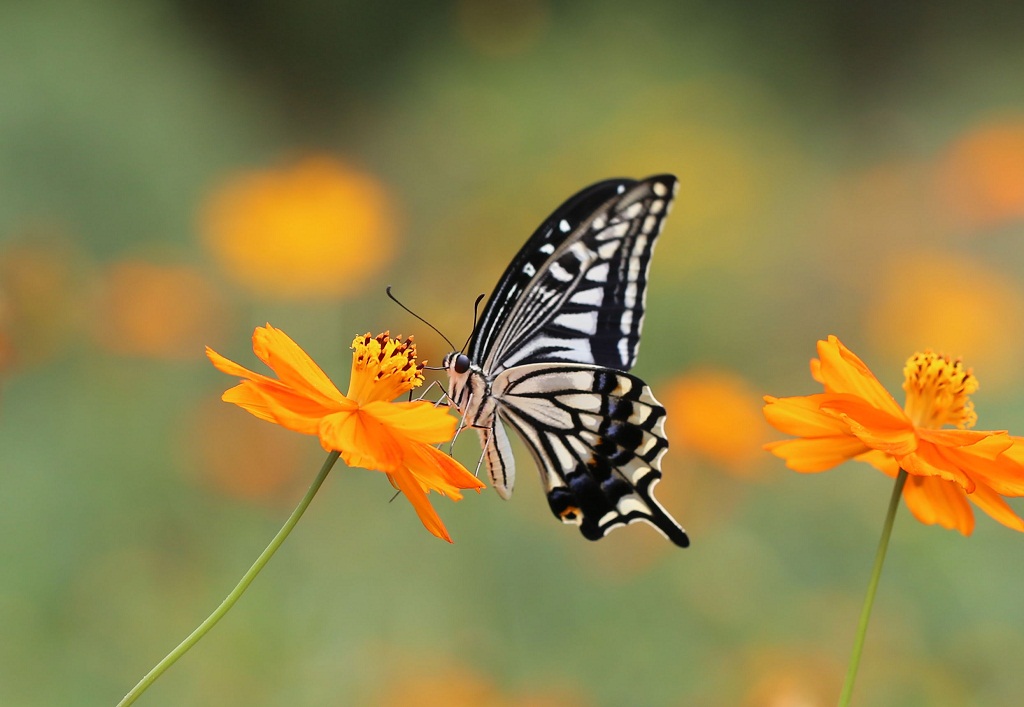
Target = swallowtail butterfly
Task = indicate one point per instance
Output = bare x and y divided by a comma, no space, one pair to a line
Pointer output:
549,357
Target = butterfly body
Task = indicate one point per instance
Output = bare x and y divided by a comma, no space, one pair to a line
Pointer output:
550,354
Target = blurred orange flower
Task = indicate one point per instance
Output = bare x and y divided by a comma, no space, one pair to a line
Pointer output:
982,177
775,676
216,443
318,229
714,414
856,418
369,430
443,686
154,310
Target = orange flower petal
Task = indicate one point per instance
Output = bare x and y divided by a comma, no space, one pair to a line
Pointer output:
801,416
292,365
982,443
228,366
1004,473
437,471
402,478
881,461
1015,452
934,501
417,421
841,371
989,500
874,427
271,399
366,442
247,396
294,411
817,453
816,371
928,461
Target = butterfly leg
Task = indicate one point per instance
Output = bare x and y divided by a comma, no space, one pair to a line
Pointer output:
458,430
483,452
426,391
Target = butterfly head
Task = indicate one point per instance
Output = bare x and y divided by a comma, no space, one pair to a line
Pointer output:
456,363
461,380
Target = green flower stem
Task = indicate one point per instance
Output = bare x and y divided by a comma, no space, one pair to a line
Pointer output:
237,592
869,599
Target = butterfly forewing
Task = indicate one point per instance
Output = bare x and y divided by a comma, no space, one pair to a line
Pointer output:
521,272
576,291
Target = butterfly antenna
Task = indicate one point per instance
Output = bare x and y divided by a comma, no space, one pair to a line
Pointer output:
476,311
395,300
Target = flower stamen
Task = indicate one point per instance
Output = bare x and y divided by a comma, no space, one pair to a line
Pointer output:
386,365
938,389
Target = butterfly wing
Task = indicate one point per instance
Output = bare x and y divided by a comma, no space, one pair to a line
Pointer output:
576,290
597,436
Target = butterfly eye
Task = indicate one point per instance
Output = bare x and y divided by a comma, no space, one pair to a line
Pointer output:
461,363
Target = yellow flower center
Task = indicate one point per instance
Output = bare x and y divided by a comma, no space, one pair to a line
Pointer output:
383,368
937,390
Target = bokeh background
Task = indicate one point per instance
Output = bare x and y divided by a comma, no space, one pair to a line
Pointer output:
173,174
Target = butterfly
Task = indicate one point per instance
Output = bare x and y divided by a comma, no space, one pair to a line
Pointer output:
549,354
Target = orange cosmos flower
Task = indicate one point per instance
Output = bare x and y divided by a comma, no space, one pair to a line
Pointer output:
856,418
364,425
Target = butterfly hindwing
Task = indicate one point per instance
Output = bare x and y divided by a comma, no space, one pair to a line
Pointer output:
597,436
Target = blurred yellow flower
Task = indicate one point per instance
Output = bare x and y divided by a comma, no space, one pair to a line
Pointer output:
153,310
856,418
982,176
713,414
369,430
320,228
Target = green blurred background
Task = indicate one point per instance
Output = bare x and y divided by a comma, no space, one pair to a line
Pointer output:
173,174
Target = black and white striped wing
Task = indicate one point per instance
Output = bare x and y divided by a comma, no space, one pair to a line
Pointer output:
576,290
597,436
